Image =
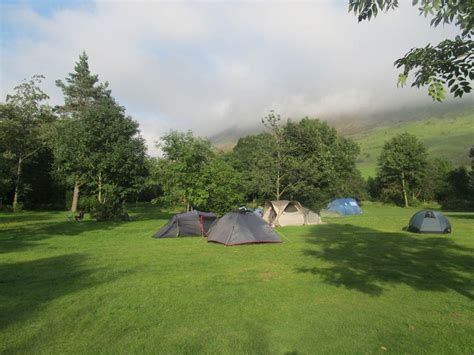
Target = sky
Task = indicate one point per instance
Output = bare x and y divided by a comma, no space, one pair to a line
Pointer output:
210,66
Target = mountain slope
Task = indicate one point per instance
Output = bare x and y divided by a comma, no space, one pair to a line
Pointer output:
445,137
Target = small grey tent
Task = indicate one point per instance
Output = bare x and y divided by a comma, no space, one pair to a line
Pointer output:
289,213
241,227
428,221
194,223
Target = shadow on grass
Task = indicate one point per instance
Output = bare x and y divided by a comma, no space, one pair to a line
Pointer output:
30,235
26,287
367,260
19,237
24,217
460,215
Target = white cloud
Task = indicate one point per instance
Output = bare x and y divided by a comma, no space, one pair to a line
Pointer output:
210,66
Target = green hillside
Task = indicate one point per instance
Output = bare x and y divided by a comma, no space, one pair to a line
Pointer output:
444,137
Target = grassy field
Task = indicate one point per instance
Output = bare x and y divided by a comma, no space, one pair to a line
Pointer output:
353,285
444,137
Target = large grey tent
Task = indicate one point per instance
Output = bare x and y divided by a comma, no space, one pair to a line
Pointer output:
289,213
428,221
241,227
194,223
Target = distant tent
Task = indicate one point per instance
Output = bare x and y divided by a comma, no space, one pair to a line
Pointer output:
194,223
344,206
243,227
289,213
428,221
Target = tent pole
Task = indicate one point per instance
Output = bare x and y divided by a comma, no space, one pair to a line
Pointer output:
283,236
230,235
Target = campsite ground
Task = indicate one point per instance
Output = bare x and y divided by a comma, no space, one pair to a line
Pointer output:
354,285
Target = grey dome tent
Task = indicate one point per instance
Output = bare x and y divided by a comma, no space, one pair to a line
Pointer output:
241,227
289,213
194,223
428,221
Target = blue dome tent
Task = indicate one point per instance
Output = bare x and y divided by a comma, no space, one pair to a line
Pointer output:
344,206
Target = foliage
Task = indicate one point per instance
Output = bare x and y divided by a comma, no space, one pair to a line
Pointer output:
401,168
22,124
81,91
435,180
459,192
114,153
194,175
253,157
184,158
96,145
82,88
223,186
451,62
303,160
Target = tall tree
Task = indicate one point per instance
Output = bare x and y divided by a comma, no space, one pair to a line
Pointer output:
401,165
451,62
184,158
254,157
111,149
194,175
22,120
279,158
320,164
81,91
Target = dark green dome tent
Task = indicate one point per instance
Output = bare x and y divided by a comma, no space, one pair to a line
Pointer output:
428,221
241,227
193,223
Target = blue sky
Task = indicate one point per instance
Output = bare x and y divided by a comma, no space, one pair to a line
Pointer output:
208,66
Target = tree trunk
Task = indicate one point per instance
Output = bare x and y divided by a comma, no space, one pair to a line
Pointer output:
17,184
405,197
278,186
188,206
99,197
75,197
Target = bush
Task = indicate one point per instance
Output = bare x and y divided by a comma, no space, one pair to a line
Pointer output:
111,210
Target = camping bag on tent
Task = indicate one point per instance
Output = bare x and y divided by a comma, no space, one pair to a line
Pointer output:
194,223
344,206
244,227
428,221
289,213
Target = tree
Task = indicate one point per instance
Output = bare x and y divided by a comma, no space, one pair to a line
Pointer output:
451,62
320,163
254,156
401,166
112,154
278,159
435,180
81,91
22,121
184,158
222,184
82,88
195,176
304,160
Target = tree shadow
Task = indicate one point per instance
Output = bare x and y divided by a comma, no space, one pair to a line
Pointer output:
26,287
27,235
368,260
459,215
24,217
33,234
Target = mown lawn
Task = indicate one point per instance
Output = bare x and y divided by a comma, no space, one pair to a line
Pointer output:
354,285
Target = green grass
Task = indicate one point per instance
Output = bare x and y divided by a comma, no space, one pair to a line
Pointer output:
353,285
444,137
